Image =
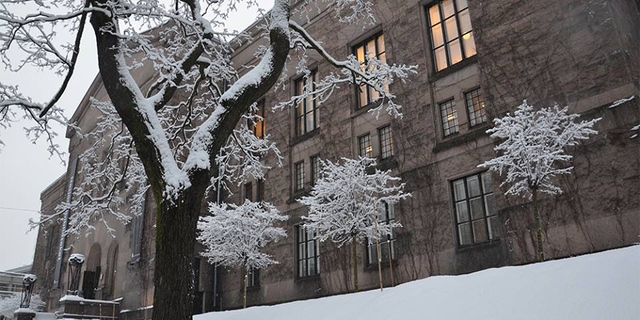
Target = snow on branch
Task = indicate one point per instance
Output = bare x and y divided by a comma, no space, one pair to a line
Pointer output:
532,147
343,205
234,235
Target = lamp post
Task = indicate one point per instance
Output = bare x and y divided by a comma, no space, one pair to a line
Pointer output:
75,264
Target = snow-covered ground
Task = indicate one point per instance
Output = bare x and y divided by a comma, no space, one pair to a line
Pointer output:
598,286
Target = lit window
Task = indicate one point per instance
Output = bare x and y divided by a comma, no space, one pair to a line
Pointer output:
451,34
258,126
369,49
386,142
388,242
475,213
307,117
365,149
308,253
475,107
298,183
449,117
315,169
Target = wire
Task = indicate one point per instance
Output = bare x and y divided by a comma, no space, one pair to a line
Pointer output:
19,209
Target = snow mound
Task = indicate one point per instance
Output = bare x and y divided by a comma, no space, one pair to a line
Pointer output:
597,286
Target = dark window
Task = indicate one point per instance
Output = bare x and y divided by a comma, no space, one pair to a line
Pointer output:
258,126
475,107
248,191
386,142
451,34
365,51
315,169
260,190
387,243
253,277
449,117
298,182
365,149
307,117
308,253
475,212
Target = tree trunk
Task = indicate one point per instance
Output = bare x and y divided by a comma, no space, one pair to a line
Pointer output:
246,284
536,214
176,227
354,261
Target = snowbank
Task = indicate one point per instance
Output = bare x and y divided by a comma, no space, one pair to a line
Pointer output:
599,286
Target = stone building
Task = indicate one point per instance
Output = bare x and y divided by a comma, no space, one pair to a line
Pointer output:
477,60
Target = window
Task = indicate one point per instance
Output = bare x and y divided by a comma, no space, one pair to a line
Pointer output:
315,169
386,142
387,243
365,51
298,176
365,149
308,253
307,117
449,117
258,126
475,213
475,107
248,191
253,277
451,34
260,190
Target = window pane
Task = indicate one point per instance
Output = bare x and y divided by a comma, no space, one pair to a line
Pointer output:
437,39
462,211
381,50
477,211
452,28
464,233
469,45
458,190
474,186
480,231
447,8
461,4
455,52
441,58
487,182
434,15
465,21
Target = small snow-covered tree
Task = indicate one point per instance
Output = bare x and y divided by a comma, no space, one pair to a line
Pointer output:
233,235
532,151
343,204
10,303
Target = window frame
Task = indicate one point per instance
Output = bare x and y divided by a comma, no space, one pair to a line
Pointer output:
301,121
259,128
466,50
314,162
385,142
367,151
298,176
449,126
389,241
381,55
489,211
471,110
303,258
253,277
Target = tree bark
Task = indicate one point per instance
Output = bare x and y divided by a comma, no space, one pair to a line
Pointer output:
354,262
536,214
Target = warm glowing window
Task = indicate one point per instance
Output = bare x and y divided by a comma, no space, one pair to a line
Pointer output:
258,126
475,107
365,149
449,117
451,34
365,51
307,117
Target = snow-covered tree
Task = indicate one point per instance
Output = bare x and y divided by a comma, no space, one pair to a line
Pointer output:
532,151
343,204
234,235
10,303
168,135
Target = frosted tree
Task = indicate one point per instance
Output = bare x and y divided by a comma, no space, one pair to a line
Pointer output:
343,204
531,152
169,135
234,235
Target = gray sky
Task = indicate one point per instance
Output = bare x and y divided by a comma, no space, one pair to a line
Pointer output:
26,169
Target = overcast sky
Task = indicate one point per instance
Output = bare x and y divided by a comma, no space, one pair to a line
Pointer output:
26,169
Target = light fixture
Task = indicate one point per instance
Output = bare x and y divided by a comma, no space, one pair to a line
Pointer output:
450,117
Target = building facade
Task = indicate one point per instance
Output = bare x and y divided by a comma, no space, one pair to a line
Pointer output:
477,60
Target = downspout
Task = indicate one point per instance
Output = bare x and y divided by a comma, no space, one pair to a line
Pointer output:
65,224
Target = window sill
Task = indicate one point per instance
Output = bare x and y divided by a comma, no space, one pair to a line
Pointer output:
459,139
312,278
478,246
305,136
435,76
